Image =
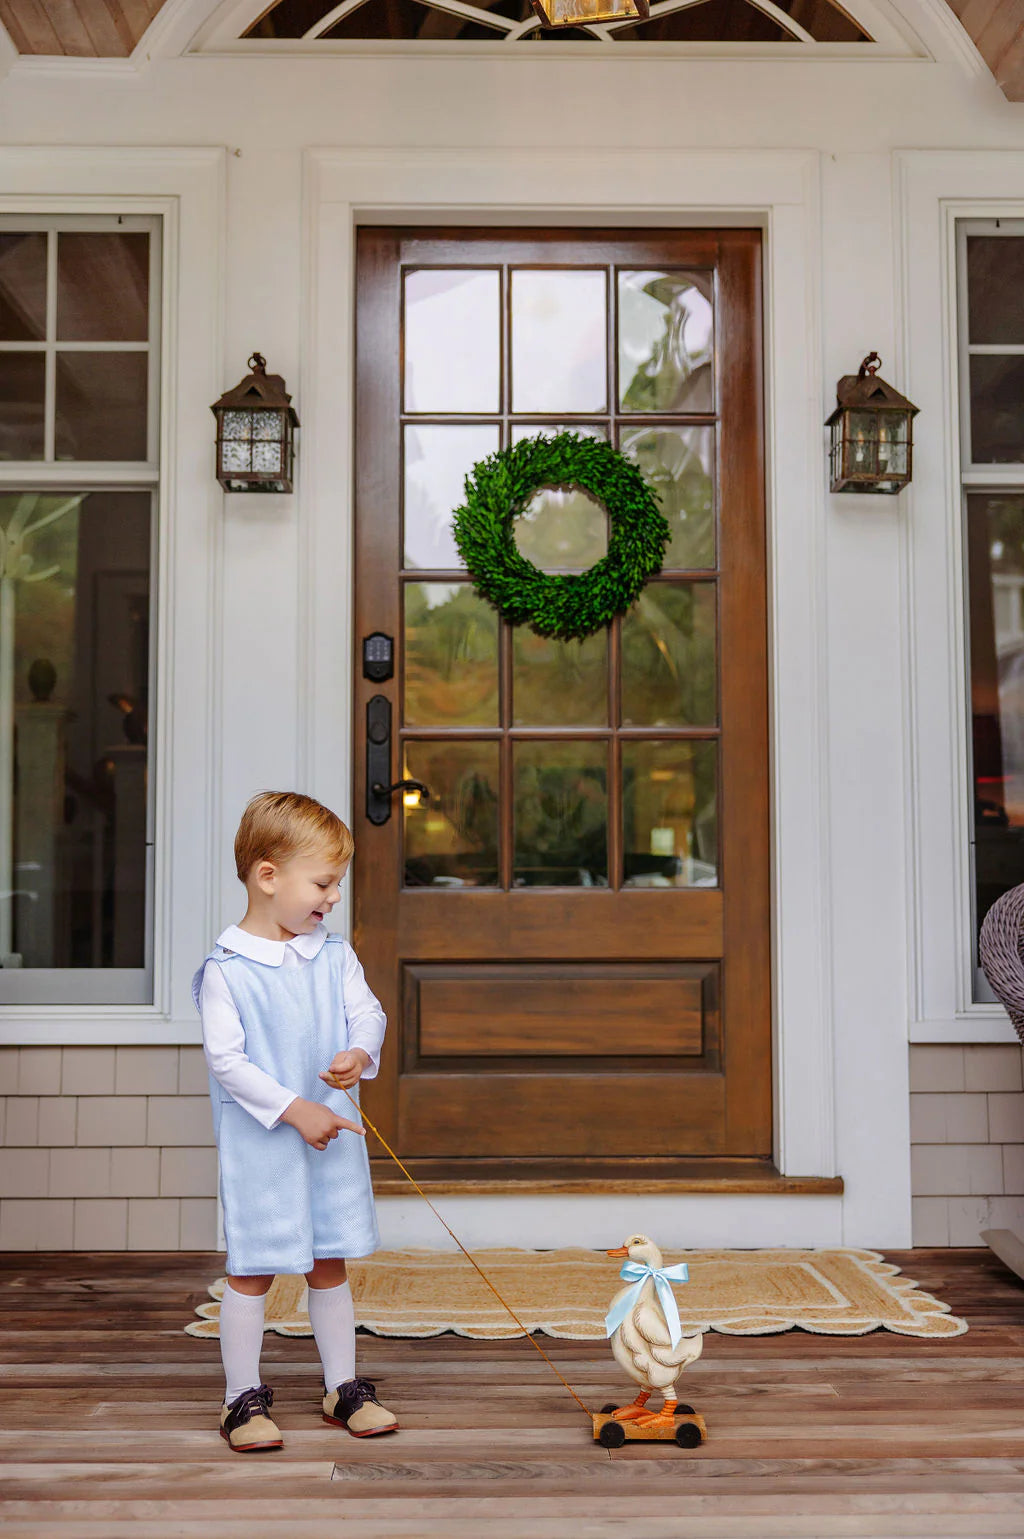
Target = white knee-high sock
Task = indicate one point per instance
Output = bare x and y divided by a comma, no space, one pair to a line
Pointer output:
241,1341
333,1319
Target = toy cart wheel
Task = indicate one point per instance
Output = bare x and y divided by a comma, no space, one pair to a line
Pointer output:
612,1435
685,1410
606,1410
687,1435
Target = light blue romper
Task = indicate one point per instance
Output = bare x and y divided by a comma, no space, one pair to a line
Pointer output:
285,1203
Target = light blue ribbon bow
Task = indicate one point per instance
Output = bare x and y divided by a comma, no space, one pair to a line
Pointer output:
636,1273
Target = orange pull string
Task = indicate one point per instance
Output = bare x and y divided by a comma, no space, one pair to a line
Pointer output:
503,1302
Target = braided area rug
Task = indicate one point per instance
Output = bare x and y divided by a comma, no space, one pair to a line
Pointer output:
567,1292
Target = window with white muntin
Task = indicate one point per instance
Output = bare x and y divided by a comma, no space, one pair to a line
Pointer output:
990,278
79,471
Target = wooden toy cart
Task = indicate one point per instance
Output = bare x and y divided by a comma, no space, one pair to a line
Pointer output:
689,1430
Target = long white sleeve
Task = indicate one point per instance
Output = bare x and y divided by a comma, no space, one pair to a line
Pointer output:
224,1046
366,1018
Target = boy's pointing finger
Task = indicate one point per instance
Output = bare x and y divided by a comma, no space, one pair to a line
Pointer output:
350,1127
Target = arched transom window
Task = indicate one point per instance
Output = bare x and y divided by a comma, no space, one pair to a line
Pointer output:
674,21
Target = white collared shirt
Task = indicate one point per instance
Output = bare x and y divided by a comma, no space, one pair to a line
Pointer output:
224,1038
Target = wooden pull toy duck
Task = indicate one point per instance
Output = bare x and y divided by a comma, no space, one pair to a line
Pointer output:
647,1341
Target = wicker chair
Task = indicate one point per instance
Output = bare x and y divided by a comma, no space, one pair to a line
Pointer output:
1001,953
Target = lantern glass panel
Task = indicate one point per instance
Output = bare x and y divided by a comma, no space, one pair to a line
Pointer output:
266,458
235,456
892,444
862,443
237,424
268,424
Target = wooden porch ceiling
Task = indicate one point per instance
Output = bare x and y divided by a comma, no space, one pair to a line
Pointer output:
996,28
82,29
110,29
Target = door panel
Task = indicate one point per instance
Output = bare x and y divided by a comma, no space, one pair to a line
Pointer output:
552,1011
526,1116
573,928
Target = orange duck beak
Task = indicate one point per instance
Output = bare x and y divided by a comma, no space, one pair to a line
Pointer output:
622,1251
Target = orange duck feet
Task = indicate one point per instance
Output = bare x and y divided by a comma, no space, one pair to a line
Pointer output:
635,1410
666,1417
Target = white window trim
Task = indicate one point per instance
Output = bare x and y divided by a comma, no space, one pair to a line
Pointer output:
935,190
776,189
974,478
81,985
185,188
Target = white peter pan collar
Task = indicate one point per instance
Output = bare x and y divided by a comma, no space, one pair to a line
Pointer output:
270,952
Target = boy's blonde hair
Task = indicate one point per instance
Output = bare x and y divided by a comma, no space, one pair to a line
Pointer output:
279,824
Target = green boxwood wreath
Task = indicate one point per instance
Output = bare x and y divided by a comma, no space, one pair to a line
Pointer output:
569,607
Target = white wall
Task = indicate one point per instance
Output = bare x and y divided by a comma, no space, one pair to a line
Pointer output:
848,120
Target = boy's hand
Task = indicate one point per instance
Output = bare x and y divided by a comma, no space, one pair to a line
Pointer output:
318,1124
346,1068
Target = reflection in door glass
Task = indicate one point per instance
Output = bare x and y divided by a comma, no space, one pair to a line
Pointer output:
678,463
74,684
452,340
562,529
521,430
437,460
559,683
559,340
669,814
995,550
668,657
451,839
666,341
561,814
451,656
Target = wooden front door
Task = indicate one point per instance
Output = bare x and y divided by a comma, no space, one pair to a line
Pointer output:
571,935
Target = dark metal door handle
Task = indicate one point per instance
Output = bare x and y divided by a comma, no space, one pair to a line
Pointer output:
401,785
378,763
378,758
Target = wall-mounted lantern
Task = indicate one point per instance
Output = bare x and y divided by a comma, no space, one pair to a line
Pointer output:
872,435
577,13
256,425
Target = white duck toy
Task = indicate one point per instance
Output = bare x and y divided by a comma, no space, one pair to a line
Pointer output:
642,1335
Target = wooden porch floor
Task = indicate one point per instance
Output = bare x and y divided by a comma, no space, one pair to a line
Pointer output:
109,1425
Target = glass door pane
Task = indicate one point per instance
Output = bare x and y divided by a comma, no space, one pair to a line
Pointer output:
561,814
542,781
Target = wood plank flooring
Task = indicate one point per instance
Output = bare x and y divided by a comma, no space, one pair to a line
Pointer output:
108,1425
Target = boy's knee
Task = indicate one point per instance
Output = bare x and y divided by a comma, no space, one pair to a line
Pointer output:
329,1273
253,1287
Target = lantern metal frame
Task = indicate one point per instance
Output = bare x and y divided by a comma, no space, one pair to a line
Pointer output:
258,455
872,441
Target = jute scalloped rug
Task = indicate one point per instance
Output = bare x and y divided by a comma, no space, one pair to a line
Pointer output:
567,1292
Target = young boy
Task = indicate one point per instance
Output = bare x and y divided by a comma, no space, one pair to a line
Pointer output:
286,1009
